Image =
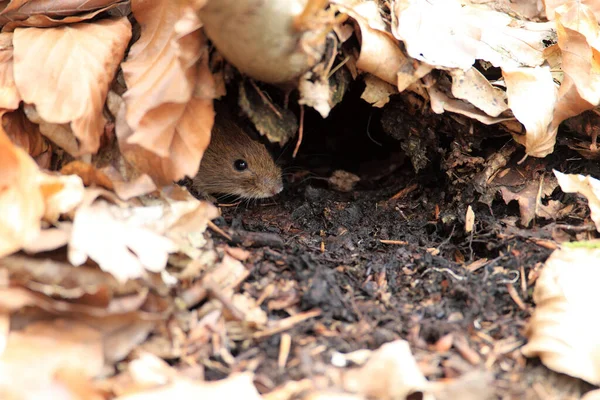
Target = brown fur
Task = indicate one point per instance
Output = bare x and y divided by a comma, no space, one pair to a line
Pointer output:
217,174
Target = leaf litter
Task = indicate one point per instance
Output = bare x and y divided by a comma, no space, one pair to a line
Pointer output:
106,104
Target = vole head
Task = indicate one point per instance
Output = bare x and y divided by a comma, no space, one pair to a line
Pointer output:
235,164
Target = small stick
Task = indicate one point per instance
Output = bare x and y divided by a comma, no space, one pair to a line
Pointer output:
515,296
385,241
300,131
218,230
264,98
284,350
404,192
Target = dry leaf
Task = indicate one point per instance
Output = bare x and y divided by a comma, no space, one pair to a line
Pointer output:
473,87
9,96
448,34
532,96
127,241
563,331
24,133
391,372
74,66
585,186
34,356
380,54
552,5
153,379
377,92
117,241
21,201
53,7
166,126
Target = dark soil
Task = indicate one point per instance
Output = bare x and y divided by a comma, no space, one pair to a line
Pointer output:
420,287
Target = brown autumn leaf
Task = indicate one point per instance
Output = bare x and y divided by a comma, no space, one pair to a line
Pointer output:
552,5
532,96
128,241
577,31
451,34
34,355
562,331
24,133
53,7
88,173
21,202
74,66
118,8
150,378
167,121
9,95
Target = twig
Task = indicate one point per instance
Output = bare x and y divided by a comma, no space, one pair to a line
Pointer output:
218,230
404,192
385,241
265,99
284,350
257,239
287,323
300,132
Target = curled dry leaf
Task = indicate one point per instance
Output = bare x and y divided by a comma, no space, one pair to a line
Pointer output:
532,96
449,34
552,5
150,378
21,201
391,372
585,186
563,330
74,66
35,355
17,8
24,133
380,54
169,112
9,95
128,241
473,87
578,35
377,92
49,13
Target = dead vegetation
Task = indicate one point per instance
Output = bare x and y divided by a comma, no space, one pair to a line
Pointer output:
436,239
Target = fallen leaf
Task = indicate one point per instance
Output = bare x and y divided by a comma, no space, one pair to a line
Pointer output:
529,196
391,372
380,54
127,241
449,34
120,244
551,6
50,13
9,95
532,96
24,133
473,87
586,186
377,92
166,125
74,66
34,355
153,379
21,201
562,330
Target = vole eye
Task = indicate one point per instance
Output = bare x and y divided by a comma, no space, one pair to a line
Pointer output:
240,165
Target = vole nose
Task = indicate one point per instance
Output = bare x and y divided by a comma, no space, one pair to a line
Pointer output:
277,188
